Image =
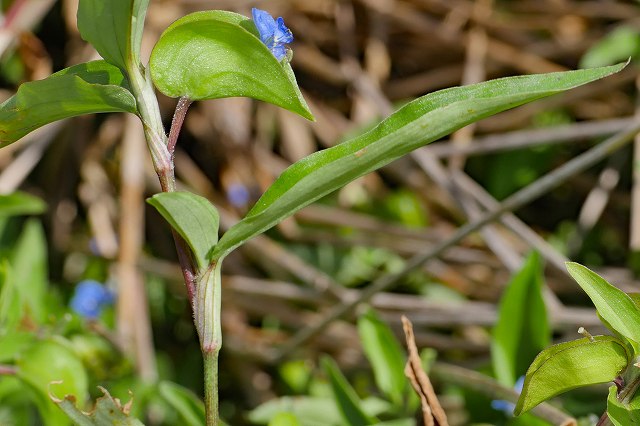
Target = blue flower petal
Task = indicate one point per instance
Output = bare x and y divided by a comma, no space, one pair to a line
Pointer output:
279,51
265,23
273,33
282,34
90,298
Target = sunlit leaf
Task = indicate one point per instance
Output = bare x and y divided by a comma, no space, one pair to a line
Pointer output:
570,365
416,124
217,54
193,217
285,419
87,88
522,330
615,306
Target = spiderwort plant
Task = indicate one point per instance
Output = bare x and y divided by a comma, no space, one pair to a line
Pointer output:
216,54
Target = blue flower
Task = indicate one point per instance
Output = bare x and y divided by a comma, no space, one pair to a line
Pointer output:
273,33
505,406
89,298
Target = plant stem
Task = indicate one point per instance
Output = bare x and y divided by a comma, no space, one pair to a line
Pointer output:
176,124
210,359
7,370
203,291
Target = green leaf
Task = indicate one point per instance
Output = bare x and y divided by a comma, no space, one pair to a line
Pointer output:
522,330
108,411
50,361
87,88
21,203
620,413
28,276
13,343
570,365
416,124
345,396
217,54
185,402
615,306
385,355
311,411
10,308
284,419
619,45
193,217
114,28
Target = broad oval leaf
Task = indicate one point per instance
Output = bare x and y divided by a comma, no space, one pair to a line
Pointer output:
621,413
414,125
615,306
114,28
385,355
193,217
87,88
217,54
522,329
570,365
47,361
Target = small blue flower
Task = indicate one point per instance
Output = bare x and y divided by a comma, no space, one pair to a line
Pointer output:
89,298
505,406
238,195
273,33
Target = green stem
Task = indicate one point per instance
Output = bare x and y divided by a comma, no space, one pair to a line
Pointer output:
203,290
211,387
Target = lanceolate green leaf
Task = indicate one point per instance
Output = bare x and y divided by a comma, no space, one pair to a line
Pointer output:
345,396
616,307
416,124
82,89
570,365
522,330
385,355
114,28
19,203
217,54
193,217
184,402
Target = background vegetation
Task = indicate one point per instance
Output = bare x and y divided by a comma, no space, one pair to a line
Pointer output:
355,61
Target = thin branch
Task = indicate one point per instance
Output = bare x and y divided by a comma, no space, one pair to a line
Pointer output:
529,138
